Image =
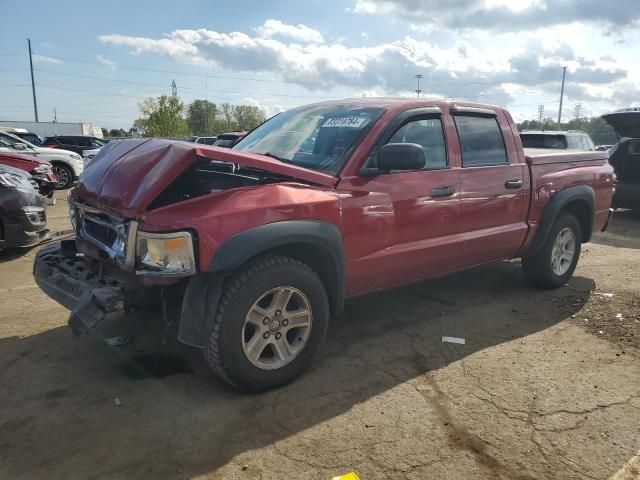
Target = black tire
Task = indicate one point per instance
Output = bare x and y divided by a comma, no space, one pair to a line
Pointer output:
65,175
538,268
224,352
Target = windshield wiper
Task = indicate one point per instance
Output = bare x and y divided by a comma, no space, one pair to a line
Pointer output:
273,155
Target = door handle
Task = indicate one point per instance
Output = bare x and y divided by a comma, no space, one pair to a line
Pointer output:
444,191
513,184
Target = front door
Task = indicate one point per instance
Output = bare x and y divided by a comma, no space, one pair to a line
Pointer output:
403,226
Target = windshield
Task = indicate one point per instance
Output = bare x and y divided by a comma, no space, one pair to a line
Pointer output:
539,140
11,141
318,137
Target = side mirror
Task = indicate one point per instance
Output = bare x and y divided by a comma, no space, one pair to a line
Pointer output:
19,146
401,156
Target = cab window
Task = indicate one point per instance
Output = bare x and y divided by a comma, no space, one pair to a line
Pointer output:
429,135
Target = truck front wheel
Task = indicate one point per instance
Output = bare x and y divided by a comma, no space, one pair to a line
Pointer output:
555,263
271,318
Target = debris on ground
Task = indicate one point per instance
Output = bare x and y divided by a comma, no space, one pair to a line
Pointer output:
605,295
458,340
118,402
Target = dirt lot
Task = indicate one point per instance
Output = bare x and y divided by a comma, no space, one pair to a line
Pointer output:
547,385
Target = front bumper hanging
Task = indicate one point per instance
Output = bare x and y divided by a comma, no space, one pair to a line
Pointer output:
78,284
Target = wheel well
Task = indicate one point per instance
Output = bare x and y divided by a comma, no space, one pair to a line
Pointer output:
319,260
582,211
61,163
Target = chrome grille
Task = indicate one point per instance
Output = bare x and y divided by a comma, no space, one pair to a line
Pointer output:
111,234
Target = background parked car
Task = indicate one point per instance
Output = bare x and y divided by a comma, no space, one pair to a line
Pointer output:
74,143
625,158
229,139
24,134
40,170
23,218
572,139
603,148
67,165
204,140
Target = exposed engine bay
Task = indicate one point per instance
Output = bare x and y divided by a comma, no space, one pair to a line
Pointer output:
210,176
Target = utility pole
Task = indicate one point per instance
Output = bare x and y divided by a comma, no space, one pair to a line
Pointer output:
564,73
540,113
55,116
33,82
418,77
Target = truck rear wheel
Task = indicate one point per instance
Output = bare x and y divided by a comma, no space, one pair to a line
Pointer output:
271,318
555,263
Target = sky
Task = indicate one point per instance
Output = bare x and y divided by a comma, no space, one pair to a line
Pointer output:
97,64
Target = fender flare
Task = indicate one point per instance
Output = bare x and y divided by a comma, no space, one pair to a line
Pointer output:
203,291
554,207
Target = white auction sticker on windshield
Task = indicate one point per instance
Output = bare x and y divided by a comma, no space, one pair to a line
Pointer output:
350,122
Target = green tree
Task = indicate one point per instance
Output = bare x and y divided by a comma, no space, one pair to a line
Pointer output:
162,117
117,132
247,117
224,120
105,132
201,117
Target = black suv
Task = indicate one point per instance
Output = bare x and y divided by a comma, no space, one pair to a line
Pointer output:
75,143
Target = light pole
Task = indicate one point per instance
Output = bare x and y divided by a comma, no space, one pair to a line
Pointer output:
418,77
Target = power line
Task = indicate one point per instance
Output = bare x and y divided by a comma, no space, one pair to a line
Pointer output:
205,89
303,82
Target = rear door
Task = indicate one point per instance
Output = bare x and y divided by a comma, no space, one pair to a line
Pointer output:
494,186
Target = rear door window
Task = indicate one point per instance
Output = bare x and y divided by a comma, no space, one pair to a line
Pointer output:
481,141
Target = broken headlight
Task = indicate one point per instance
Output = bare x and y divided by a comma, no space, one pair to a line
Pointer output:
165,254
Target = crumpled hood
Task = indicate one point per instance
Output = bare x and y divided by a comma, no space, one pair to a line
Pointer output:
127,175
626,122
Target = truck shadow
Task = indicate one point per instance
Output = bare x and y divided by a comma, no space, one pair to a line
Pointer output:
623,231
59,416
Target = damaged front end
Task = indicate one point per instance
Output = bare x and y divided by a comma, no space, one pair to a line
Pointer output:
120,259
80,284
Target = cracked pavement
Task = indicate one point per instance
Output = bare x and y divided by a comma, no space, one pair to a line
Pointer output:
536,392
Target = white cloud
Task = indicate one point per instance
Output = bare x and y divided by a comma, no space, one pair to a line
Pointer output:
269,107
464,68
503,15
300,33
107,62
45,59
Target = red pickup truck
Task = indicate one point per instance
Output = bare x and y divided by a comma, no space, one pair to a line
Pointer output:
262,243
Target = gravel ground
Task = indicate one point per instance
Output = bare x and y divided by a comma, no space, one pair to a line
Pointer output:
547,385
